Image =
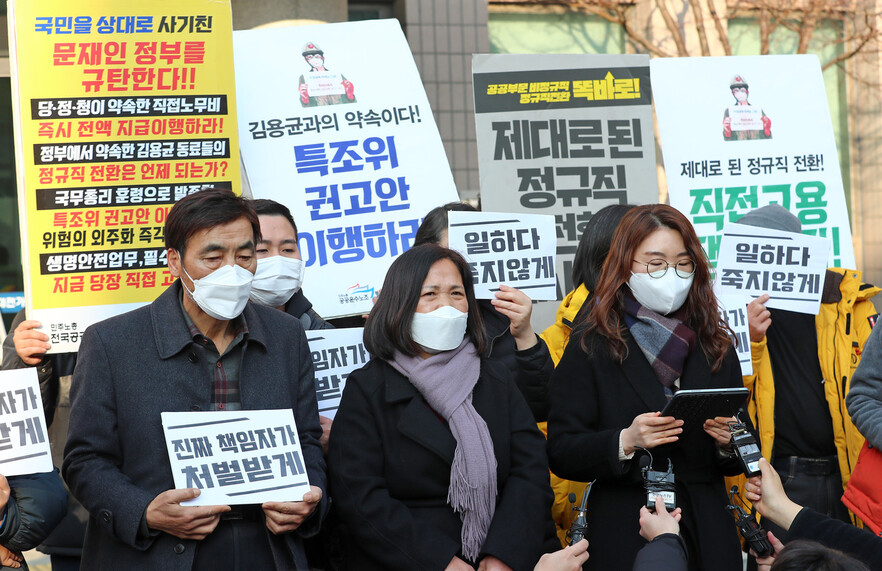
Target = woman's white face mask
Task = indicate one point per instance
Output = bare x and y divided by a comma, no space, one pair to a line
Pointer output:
662,295
440,330
277,279
223,293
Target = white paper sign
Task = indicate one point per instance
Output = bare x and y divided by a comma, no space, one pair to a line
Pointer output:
745,118
320,83
335,354
24,442
788,266
517,250
236,457
723,160
358,169
733,309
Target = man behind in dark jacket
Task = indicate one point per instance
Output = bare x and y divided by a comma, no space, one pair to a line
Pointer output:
199,346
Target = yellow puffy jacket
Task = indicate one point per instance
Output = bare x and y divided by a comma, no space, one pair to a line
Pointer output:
556,337
843,324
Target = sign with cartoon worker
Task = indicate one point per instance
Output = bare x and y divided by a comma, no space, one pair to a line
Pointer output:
342,134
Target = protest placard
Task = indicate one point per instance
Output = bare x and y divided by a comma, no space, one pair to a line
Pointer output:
564,135
335,354
738,133
120,110
24,442
236,457
790,267
517,250
336,126
733,310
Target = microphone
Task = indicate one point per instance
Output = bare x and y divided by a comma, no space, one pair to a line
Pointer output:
579,529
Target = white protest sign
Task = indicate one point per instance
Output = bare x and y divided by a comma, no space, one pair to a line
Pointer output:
358,168
746,118
733,309
335,354
788,266
724,158
236,457
517,250
324,83
24,445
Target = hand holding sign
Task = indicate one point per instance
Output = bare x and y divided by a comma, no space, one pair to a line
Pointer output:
30,344
285,517
517,306
759,319
165,513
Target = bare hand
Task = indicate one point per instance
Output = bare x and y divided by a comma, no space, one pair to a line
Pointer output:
758,318
30,344
767,495
765,563
654,524
326,432
284,517
649,430
517,306
165,513
304,94
570,558
457,564
491,563
718,429
727,126
9,558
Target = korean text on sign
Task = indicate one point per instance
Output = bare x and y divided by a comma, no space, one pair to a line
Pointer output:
790,267
24,442
516,250
236,457
335,354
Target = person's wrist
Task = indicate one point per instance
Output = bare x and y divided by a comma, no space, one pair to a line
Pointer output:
627,441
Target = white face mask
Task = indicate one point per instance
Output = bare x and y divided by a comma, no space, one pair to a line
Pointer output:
223,293
277,278
662,295
439,330
315,61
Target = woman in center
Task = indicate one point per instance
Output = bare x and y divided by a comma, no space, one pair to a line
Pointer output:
435,461
653,329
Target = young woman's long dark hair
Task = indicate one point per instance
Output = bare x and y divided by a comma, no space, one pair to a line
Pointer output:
606,315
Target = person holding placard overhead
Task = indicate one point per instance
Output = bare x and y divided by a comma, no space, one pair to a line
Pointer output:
511,339
802,367
436,462
653,328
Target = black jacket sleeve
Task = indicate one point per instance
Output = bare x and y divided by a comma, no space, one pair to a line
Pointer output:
534,368
37,504
664,553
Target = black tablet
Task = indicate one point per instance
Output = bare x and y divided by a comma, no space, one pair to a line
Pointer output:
695,406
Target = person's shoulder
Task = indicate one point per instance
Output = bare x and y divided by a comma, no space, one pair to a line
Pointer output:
134,320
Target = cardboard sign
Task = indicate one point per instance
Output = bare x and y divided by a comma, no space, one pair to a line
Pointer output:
516,250
24,437
733,310
789,267
335,354
236,457
358,168
564,135
779,148
120,110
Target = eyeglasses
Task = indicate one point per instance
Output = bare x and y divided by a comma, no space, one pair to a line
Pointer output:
657,268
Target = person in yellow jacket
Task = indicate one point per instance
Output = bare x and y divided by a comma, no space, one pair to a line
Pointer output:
802,368
587,264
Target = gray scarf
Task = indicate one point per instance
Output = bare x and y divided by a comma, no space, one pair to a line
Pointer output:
446,381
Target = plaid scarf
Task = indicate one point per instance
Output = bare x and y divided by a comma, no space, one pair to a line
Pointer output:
665,341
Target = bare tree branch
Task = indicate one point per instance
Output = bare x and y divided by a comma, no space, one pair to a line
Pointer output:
700,27
718,24
676,33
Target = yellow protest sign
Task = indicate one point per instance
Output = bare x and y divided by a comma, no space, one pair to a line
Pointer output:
121,109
